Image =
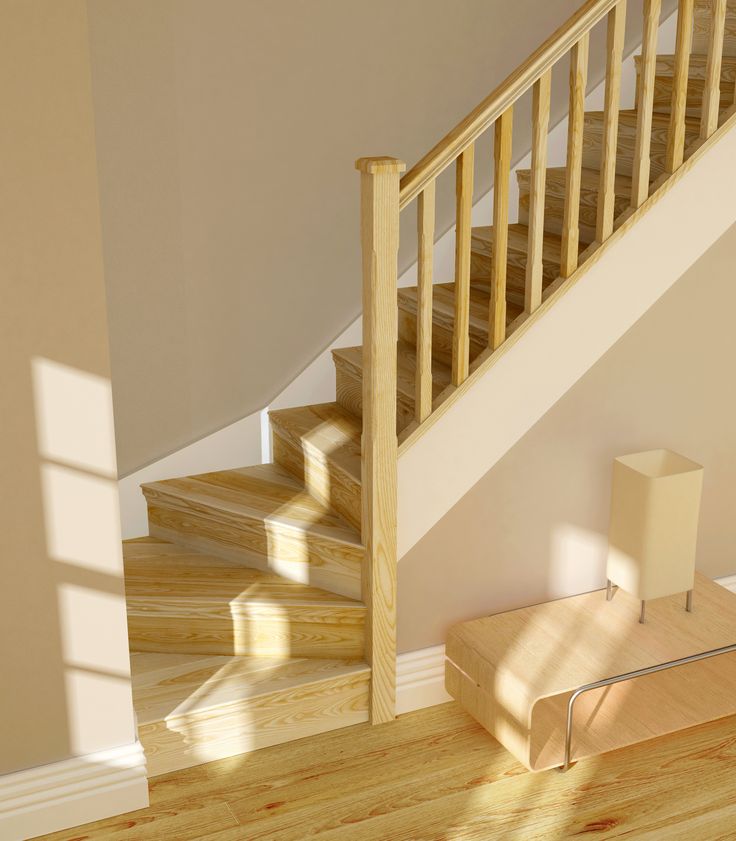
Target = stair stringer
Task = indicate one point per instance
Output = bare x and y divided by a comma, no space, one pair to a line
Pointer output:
443,459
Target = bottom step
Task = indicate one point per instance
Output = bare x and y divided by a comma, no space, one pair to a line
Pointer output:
193,709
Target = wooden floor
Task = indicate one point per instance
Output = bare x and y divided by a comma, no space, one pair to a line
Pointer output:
435,774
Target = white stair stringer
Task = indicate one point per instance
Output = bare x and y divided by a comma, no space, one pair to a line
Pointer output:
534,371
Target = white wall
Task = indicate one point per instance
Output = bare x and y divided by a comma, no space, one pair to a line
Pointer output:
247,441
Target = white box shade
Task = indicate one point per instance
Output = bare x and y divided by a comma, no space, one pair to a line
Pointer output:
655,505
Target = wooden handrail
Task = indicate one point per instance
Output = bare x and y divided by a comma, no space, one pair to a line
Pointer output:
504,96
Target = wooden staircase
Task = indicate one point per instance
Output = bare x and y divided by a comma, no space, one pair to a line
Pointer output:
262,606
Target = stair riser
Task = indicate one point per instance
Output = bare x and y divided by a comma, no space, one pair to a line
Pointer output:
287,631
441,334
592,144
554,204
349,386
701,29
695,88
324,480
292,554
480,267
182,741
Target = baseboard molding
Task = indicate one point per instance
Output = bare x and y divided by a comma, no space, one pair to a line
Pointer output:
420,675
420,679
72,792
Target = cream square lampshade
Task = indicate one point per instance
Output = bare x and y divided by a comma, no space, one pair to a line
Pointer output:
655,504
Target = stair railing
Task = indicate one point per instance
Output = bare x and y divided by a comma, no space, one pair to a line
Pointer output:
384,194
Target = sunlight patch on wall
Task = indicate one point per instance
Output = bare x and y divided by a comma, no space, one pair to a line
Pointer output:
74,417
82,519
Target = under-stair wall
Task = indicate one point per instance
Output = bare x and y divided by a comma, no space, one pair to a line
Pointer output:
640,264
534,527
248,440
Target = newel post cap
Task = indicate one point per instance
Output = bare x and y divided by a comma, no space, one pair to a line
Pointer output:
381,164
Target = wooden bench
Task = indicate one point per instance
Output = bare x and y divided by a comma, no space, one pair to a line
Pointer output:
517,672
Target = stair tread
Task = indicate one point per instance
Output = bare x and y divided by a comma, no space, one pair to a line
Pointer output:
628,117
589,179
169,686
265,492
697,66
325,428
159,570
406,368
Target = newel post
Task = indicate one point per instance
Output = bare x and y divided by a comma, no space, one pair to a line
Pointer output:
379,224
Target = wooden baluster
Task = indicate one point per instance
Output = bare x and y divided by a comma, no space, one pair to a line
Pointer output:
464,205
645,104
612,100
676,138
425,232
571,220
379,213
540,127
501,176
712,92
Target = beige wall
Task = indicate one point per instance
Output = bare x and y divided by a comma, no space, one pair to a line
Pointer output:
535,527
63,637
227,132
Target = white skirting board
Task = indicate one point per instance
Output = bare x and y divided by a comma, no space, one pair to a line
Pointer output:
72,792
420,679
420,675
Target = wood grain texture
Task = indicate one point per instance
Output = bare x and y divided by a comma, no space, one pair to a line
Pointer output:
188,602
349,369
573,172
261,517
436,775
463,208
320,446
540,129
501,176
702,28
646,74
676,139
380,243
712,92
502,98
612,100
196,708
443,316
593,138
425,263
556,198
560,287
515,671
664,74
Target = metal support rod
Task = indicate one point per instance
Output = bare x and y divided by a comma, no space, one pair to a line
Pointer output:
689,601
649,670
609,590
643,614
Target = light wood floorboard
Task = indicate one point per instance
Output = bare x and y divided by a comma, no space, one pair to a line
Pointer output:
435,775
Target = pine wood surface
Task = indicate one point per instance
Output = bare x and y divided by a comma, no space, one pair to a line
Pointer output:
181,601
379,233
196,708
515,671
320,446
436,775
349,378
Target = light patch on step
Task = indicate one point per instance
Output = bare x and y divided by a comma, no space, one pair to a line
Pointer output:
260,631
